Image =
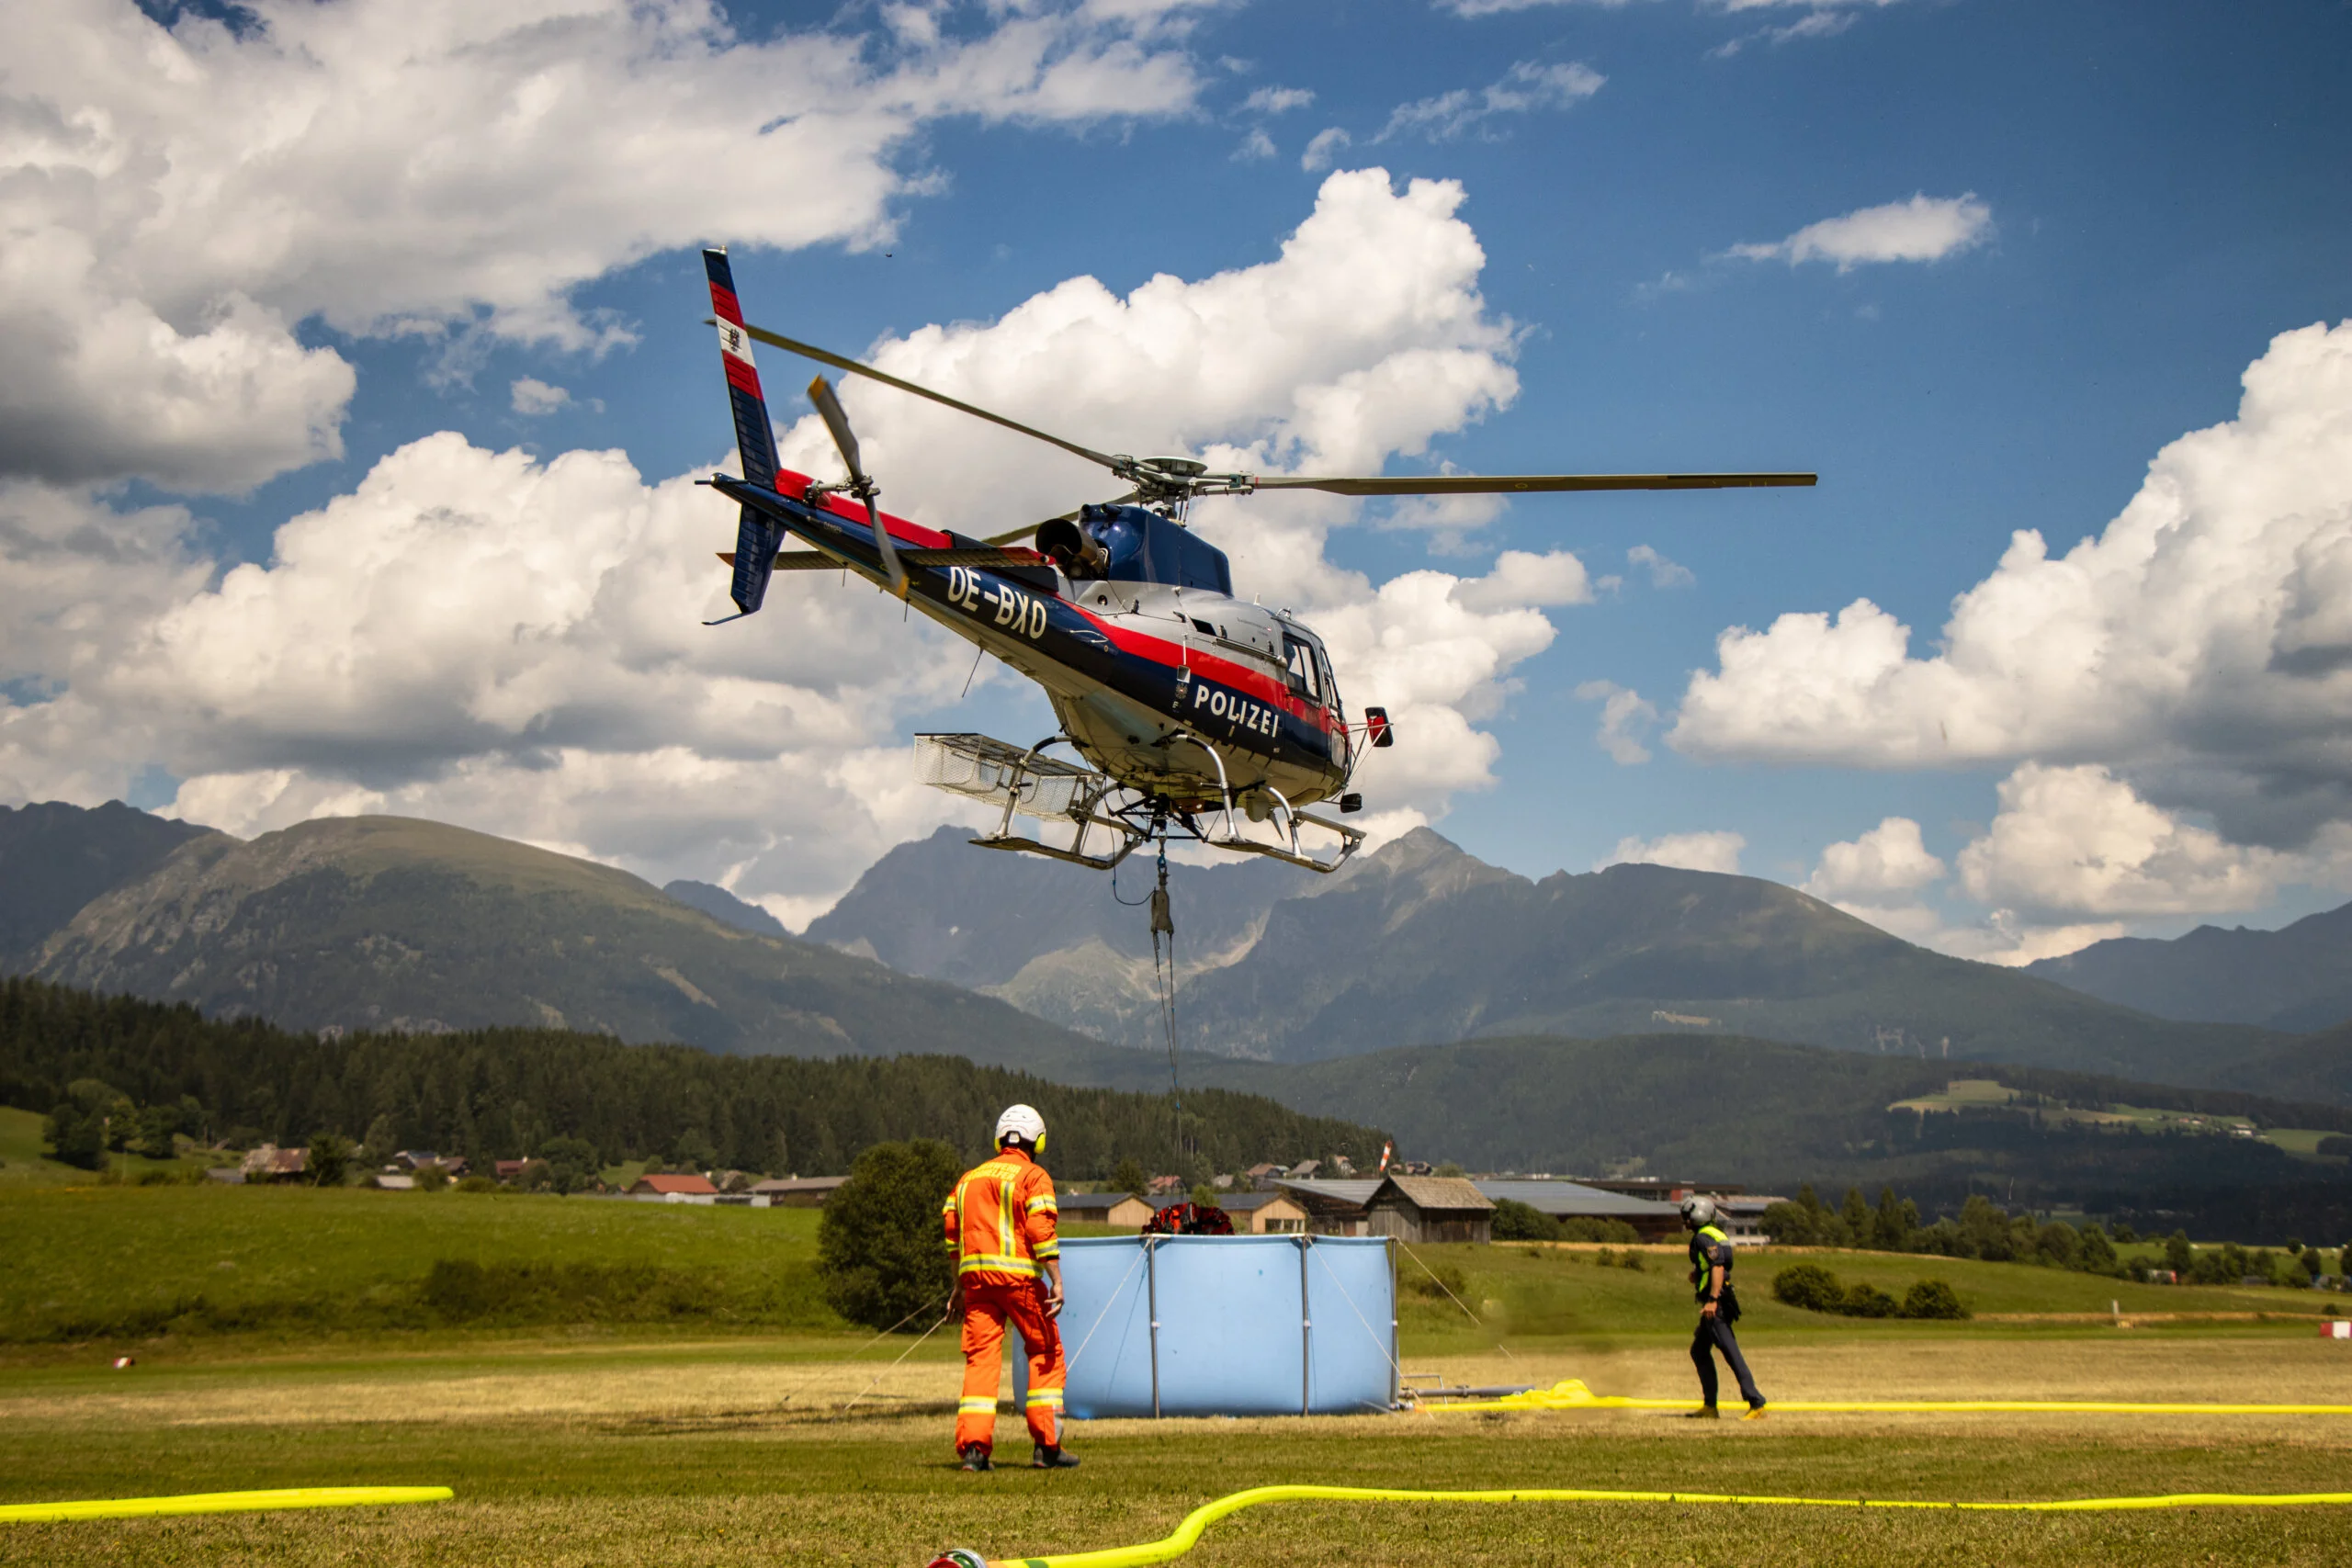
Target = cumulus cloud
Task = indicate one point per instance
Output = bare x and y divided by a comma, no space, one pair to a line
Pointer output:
181,199
1892,858
1523,89
2077,840
2198,646
511,642
1626,719
1690,852
1924,229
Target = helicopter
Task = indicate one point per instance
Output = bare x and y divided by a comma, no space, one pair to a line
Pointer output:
1181,703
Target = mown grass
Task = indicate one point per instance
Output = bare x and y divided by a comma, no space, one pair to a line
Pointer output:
686,1456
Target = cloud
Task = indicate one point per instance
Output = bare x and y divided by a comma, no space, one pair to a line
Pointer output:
184,200
2199,647
1924,229
511,643
1277,100
1323,149
1254,146
1892,858
1716,851
1664,574
533,396
2075,842
1524,88
1626,719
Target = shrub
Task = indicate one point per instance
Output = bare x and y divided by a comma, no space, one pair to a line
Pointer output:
1586,1229
1810,1286
75,1137
1434,1282
431,1177
1868,1301
1932,1298
1515,1220
477,1184
878,1246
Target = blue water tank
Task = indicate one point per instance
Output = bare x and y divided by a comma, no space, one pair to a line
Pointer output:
1227,1325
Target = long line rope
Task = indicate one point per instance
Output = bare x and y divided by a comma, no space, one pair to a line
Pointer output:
1457,1301
1187,1534
945,1313
1164,975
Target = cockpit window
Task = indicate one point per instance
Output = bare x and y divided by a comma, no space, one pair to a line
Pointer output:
1304,677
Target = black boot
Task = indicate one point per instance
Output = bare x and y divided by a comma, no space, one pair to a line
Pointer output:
1052,1458
975,1456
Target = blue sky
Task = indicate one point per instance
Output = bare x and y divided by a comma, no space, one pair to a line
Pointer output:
2159,191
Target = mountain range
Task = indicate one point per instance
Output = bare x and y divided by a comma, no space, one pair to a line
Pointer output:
2297,978
389,923
1420,941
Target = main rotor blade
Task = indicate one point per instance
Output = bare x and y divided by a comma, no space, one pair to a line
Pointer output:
824,356
829,409
1505,484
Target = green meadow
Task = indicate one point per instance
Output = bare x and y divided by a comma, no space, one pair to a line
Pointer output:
617,1385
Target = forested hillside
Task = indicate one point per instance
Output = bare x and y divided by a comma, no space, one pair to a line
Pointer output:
502,1093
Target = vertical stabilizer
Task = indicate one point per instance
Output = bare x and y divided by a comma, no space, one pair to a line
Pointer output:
756,534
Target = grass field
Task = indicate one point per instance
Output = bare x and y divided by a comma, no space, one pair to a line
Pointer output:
722,1434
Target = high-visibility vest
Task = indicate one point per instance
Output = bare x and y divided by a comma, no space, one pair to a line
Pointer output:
1000,1219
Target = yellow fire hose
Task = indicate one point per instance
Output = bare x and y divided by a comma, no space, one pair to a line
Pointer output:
1188,1534
1570,1393
221,1503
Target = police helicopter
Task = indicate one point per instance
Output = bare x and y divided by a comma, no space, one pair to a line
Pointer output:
1181,704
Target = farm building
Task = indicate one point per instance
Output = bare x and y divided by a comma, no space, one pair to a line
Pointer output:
270,1163
1333,1208
1654,1219
1124,1208
1264,1214
673,1190
1430,1208
795,1191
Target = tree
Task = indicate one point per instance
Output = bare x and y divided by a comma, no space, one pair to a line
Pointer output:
1515,1220
571,1163
76,1136
1893,1226
1984,1229
2097,1254
157,1123
1855,1219
2058,1243
2125,1235
2179,1256
1128,1177
383,1140
330,1158
878,1247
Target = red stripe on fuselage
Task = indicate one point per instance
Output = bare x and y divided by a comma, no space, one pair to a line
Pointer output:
722,301
741,377
1224,672
1143,645
849,509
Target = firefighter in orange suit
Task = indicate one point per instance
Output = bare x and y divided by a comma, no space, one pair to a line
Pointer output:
1001,1225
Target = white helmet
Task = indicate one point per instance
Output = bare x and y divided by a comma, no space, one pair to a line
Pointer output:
1021,1121
1698,1210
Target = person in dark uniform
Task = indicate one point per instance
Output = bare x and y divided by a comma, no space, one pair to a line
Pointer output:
1718,1308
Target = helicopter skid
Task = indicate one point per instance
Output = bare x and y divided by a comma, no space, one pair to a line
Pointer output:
1024,783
